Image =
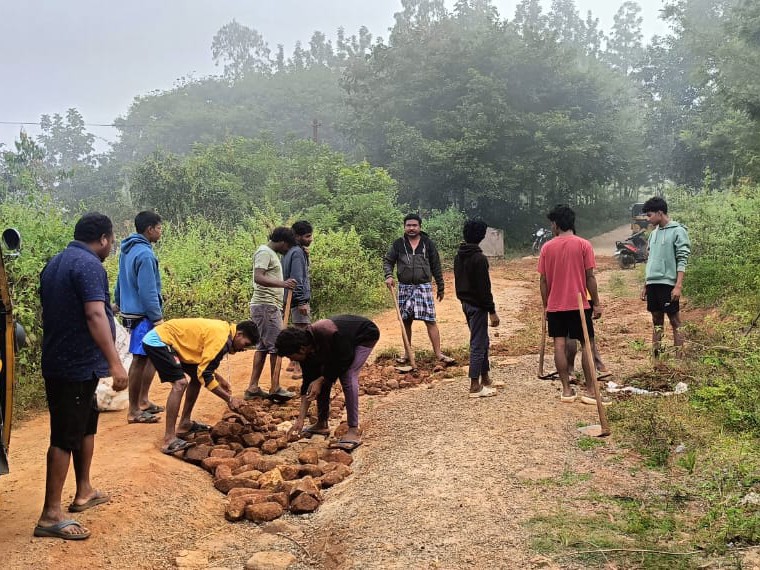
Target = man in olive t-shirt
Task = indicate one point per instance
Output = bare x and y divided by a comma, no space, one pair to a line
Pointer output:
266,308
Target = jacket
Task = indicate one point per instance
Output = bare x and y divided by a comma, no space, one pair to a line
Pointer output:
138,284
295,265
414,267
669,250
471,279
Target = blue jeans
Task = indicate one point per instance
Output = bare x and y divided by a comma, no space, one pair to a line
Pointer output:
477,321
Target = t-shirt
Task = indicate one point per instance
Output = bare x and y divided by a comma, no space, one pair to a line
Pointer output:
564,261
72,278
267,259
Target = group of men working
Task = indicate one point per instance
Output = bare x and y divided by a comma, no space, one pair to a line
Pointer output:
77,312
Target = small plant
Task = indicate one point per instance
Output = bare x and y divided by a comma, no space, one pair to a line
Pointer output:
688,461
587,443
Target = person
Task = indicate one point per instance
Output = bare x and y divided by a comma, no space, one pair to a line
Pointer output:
78,348
416,260
669,250
266,309
566,264
138,296
330,349
473,288
193,348
295,264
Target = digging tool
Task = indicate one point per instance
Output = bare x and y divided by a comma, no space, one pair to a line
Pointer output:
605,426
407,345
542,352
278,361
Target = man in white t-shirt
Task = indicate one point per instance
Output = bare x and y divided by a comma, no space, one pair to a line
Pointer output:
266,309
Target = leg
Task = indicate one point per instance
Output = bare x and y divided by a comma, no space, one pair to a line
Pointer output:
571,349
600,367
172,409
350,384
477,321
82,462
560,361
146,380
274,383
658,320
678,340
587,369
191,396
259,358
57,467
323,409
136,374
435,338
408,328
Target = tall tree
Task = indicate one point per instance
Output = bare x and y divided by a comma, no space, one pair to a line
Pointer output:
66,141
241,50
625,48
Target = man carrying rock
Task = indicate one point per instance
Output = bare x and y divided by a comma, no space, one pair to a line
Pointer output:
416,260
78,334
295,265
266,309
330,349
193,348
138,296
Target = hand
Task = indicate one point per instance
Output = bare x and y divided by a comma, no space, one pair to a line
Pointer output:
314,389
597,311
304,309
234,404
158,322
119,375
440,295
115,308
290,283
224,383
644,293
675,295
494,319
390,283
296,428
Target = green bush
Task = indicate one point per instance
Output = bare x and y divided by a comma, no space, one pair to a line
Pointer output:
445,229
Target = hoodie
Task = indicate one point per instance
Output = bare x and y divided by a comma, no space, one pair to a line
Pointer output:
414,266
669,250
138,285
471,279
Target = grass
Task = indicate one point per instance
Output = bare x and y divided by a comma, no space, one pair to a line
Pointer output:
587,443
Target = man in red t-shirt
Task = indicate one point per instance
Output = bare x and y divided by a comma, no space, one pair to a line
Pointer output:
566,265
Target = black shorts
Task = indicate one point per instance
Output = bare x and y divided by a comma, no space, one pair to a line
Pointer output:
73,412
168,364
568,323
658,299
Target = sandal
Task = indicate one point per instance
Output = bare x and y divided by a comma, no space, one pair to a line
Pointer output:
145,417
176,445
345,444
569,399
56,531
309,431
257,393
154,409
196,427
98,499
447,360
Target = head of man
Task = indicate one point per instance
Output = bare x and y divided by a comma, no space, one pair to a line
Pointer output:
148,224
474,231
562,219
96,231
246,335
294,343
282,239
656,210
304,233
412,225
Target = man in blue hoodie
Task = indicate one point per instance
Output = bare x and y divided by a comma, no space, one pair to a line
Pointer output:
138,295
669,250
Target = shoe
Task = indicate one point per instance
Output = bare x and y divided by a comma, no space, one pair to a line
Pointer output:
281,395
484,392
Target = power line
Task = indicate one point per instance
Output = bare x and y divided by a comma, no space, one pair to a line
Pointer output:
37,123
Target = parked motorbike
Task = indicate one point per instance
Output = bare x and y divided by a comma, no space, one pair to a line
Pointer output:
540,237
632,250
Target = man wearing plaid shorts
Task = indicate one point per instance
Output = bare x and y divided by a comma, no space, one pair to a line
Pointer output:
416,260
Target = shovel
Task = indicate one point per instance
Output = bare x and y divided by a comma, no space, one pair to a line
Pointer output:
278,362
407,345
602,430
542,352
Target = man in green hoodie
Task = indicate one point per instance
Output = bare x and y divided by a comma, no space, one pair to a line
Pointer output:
669,250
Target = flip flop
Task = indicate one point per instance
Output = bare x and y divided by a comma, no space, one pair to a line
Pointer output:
154,409
145,417
176,445
568,399
603,375
447,360
401,360
96,500
345,445
56,531
258,393
196,427
308,431
281,396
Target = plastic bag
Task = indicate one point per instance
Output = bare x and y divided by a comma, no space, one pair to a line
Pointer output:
108,399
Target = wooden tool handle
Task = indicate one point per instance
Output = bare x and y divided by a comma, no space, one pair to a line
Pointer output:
590,359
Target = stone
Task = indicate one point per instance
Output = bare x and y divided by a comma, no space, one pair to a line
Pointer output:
211,463
235,510
335,476
248,480
223,472
265,464
282,442
263,512
254,439
271,480
280,527
290,472
309,456
391,384
221,429
270,560
310,470
227,453
270,446
243,468
197,454
203,438
248,457
305,486
303,504
338,456
191,559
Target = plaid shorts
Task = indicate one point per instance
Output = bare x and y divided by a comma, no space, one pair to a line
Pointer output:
416,302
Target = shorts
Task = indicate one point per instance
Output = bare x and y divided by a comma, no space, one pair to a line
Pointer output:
658,299
416,302
268,319
166,362
137,332
296,318
73,412
568,323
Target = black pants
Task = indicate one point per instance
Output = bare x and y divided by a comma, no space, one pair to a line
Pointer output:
477,321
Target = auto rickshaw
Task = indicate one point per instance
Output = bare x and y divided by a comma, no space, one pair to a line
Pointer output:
12,336
638,217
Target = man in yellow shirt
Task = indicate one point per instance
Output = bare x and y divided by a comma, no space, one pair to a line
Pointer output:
194,348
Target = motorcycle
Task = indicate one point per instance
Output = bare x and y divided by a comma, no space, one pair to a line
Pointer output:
540,237
632,250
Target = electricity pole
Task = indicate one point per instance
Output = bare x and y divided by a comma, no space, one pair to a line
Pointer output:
315,124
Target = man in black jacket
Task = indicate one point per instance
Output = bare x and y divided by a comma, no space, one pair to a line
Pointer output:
473,287
416,259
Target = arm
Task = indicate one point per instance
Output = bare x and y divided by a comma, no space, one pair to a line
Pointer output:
682,251
224,391
100,330
148,290
261,278
298,272
485,279
435,268
592,288
544,286
116,293
389,261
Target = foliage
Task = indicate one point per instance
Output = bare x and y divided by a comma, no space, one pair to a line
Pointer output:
445,229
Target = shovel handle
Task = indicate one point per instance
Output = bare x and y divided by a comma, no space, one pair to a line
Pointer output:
285,317
590,359
407,344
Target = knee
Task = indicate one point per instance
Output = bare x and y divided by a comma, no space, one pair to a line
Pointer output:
179,385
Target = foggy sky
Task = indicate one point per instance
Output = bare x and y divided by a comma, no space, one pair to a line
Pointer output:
97,55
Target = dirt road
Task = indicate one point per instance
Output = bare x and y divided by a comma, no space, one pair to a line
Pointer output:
442,481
